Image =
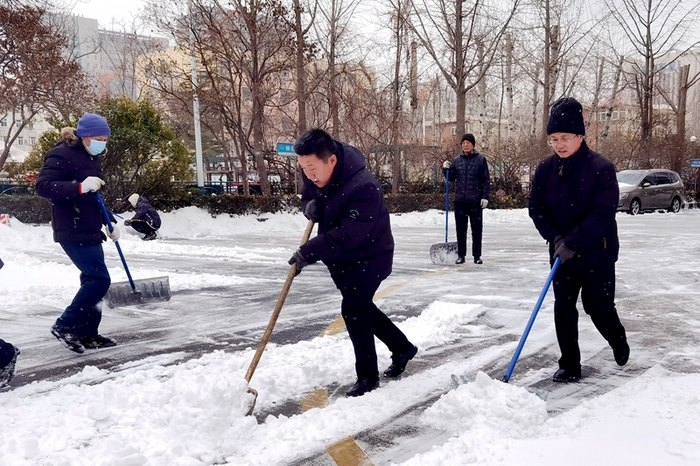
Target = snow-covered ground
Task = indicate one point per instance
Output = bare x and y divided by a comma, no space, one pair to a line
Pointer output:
173,392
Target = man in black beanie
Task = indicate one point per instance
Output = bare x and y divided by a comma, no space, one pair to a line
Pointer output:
471,173
573,201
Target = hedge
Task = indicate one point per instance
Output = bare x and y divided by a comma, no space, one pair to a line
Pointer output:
35,209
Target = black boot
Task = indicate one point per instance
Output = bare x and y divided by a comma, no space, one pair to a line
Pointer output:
477,260
7,372
69,340
97,341
567,375
460,260
363,385
621,353
399,361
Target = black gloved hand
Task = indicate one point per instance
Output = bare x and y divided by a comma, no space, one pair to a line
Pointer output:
311,211
561,251
127,223
299,260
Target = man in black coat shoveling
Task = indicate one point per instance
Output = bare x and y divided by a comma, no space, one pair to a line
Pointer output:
355,242
70,178
573,201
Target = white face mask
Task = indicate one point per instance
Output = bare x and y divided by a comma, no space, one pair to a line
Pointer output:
96,147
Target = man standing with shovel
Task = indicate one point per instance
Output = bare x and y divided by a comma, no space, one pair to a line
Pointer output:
355,242
70,178
470,172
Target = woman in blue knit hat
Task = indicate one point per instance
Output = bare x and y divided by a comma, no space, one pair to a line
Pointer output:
573,201
70,178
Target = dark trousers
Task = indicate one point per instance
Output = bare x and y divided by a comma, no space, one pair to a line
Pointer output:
364,321
466,212
82,317
7,352
143,227
596,284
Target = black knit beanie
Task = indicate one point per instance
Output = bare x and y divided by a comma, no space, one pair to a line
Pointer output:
468,137
566,117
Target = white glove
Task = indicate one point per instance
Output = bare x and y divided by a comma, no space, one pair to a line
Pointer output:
446,165
91,184
114,234
484,203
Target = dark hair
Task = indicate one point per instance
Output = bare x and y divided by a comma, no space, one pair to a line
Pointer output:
317,142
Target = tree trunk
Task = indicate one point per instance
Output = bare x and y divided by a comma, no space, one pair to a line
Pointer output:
611,104
509,88
300,68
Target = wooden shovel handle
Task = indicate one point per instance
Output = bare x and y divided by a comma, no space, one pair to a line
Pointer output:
278,308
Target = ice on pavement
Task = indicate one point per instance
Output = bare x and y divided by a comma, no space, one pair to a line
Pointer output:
168,412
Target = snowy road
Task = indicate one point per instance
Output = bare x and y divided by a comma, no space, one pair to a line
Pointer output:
226,275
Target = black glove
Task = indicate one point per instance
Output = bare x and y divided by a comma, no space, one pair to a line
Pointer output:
311,210
299,260
127,223
561,251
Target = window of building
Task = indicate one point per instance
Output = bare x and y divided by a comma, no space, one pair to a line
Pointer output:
32,140
3,122
20,141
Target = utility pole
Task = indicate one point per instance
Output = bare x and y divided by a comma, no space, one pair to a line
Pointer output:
199,163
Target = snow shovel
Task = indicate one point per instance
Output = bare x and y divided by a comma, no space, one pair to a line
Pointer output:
514,360
273,319
443,253
133,291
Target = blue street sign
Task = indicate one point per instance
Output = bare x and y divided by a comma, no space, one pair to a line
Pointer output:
285,149
695,162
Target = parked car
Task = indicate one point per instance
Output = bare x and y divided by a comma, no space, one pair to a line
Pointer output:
649,190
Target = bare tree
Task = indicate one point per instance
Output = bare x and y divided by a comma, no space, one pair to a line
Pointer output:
453,35
652,28
304,51
333,32
241,49
34,75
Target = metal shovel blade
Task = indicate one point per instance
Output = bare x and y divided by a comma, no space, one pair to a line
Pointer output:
147,290
443,253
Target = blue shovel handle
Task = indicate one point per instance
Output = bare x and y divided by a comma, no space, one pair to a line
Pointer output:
514,360
105,213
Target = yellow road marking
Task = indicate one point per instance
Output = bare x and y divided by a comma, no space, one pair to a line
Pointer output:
347,452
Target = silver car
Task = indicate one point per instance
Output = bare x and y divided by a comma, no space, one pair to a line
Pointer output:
649,190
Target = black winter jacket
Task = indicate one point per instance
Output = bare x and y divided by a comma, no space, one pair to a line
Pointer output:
146,213
76,218
576,197
470,173
354,233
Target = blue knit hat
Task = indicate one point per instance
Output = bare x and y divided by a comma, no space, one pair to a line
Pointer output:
92,124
